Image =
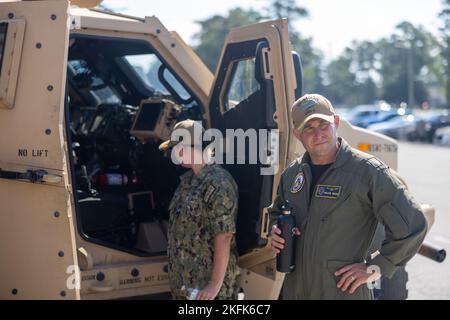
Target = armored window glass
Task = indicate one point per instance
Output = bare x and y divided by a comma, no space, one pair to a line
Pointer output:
3,30
147,66
243,83
90,82
177,86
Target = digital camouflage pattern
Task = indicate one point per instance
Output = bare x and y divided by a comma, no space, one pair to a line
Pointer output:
202,207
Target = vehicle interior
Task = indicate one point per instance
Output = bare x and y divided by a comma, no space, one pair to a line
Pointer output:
122,101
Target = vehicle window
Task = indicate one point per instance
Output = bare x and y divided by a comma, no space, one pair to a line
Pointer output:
90,82
243,83
147,66
3,29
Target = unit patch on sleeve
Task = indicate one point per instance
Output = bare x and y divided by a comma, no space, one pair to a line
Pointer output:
208,193
298,183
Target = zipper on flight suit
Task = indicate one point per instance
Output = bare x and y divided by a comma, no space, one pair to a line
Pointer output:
309,205
308,176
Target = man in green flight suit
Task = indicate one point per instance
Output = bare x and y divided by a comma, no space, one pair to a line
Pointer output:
201,248
338,195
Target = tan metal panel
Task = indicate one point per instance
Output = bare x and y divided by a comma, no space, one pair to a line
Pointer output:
37,245
11,62
79,3
119,281
36,120
86,3
31,239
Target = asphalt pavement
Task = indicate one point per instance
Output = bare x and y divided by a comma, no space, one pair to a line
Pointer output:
426,169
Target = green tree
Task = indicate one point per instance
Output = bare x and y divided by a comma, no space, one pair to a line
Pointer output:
341,81
404,59
350,78
398,68
288,9
445,49
364,68
214,30
311,57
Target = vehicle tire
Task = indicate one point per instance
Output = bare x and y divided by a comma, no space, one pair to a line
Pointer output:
395,288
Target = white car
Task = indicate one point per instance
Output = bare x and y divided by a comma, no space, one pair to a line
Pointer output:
442,136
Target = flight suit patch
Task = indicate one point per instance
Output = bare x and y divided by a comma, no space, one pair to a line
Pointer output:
299,181
376,163
328,192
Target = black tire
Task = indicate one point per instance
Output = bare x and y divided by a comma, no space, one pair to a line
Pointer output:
395,288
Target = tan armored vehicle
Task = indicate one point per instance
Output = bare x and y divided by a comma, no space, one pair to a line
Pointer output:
86,96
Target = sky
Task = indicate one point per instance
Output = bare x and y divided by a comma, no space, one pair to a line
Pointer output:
332,24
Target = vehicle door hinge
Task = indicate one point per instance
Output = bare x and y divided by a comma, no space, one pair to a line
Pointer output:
70,194
75,22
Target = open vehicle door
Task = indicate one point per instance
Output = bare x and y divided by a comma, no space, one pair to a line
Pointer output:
254,88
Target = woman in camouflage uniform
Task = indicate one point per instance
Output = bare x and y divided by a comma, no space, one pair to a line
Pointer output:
202,250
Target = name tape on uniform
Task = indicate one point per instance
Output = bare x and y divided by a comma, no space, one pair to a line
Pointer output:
328,192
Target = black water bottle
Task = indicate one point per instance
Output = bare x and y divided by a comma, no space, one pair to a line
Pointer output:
286,256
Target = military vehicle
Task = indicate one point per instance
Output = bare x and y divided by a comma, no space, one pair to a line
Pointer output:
86,96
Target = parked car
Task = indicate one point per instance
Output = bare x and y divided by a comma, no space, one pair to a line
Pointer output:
366,115
384,116
428,123
442,136
402,127
359,113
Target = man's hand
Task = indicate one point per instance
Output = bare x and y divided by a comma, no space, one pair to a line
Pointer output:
355,275
277,241
209,292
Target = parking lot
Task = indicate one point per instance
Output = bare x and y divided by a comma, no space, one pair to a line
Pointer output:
416,125
426,169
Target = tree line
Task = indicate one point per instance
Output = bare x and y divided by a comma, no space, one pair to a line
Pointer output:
411,65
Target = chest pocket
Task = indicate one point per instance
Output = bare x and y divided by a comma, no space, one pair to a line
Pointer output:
194,208
186,216
334,206
192,204
185,206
